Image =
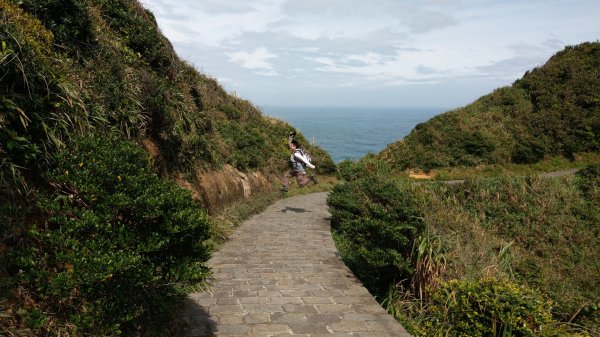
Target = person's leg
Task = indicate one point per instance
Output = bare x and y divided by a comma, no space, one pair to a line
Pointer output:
313,177
285,180
302,179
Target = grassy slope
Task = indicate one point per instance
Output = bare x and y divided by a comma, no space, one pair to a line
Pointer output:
545,227
553,110
72,67
539,232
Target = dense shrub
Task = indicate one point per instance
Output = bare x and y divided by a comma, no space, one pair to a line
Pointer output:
528,152
539,233
112,244
138,30
38,108
349,170
565,98
375,221
475,144
485,308
68,20
246,143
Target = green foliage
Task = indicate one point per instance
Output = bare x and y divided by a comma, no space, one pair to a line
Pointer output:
115,243
249,147
138,30
485,308
566,101
38,107
552,110
246,144
528,151
540,233
367,166
231,112
24,28
430,263
375,221
68,20
349,170
550,225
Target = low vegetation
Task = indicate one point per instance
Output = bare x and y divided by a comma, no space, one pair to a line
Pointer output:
375,222
108,249
548,165
519,252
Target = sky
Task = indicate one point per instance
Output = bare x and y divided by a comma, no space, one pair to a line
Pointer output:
385,53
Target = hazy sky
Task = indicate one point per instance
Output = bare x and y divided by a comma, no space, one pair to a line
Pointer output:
409,53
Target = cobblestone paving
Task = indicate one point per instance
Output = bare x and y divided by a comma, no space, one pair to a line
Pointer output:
281,275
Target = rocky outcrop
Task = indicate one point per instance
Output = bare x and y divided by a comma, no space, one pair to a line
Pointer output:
220,188
215,189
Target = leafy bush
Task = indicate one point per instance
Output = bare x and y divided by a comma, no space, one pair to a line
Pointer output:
138,30
38,108
246,143
590,172
475,144
112,245
528,152
349,170
367,166
375,221
485,308
68,20
540,233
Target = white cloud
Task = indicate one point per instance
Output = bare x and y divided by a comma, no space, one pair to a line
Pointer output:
372,44
214,22
256,60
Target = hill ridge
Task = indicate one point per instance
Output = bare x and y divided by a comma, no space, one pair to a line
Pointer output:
553,110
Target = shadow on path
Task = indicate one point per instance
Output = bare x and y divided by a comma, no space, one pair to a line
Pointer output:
197,319
294,209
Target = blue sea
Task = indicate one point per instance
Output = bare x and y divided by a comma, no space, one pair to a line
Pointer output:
352,132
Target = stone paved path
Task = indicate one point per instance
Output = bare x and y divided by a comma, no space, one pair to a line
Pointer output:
281,275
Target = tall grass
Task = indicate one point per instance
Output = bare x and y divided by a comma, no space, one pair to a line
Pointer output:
502,243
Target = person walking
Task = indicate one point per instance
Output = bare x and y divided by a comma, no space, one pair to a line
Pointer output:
298,163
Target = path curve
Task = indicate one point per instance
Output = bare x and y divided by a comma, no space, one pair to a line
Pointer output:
553,174
281,275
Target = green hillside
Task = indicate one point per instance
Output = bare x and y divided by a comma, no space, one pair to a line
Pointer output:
75,67
506,252
502,256
97,116
554,110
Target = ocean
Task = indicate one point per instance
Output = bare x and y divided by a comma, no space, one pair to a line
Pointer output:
352,132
